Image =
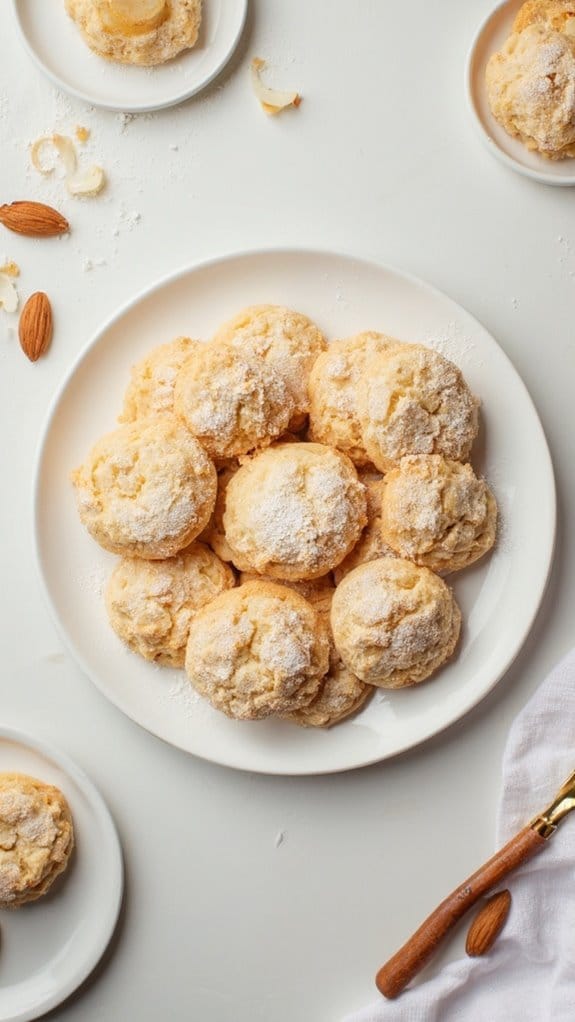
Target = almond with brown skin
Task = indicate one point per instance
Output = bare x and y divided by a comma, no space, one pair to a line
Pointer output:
488,924
33,219
35,326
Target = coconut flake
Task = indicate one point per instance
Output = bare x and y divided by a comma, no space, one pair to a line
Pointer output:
272,100
8,294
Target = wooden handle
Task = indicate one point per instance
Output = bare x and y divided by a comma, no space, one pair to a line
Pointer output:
394,976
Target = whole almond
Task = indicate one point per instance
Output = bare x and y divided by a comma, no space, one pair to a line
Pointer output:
488,924
33,219
35,326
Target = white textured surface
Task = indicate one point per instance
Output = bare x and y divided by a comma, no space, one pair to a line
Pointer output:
223,923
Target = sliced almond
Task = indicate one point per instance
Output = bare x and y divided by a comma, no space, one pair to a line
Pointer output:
35,326
272,100
8,294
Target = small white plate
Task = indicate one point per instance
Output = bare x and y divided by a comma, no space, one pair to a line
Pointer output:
56,45
490,38
50,946
499,596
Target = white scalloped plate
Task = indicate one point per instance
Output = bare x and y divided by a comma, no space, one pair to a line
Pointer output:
52,945
499,596
489,38
55,44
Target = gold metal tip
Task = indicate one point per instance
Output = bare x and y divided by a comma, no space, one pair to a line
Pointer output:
546,823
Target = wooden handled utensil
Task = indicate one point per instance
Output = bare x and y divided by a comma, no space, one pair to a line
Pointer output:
395,975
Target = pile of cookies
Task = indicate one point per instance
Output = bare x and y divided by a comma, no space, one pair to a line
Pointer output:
36,838
531,80
284,510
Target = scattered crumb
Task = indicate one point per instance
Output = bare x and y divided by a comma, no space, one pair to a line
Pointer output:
123,120
82,134
280,836
10,269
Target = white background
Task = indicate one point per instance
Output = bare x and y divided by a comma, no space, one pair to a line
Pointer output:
380,160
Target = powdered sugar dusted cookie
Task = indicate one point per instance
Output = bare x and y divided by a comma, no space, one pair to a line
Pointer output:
282,338
147,489
232,402
294,511
152,381
531,85
394,623
415,401
143,32
437,512
340,693
371,544
36,838
151,604
257,650
334,384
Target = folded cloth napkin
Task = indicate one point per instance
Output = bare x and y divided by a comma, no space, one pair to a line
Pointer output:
529,974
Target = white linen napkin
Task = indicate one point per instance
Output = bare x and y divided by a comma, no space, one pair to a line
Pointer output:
529,974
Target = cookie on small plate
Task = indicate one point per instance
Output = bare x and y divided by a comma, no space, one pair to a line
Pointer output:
36,838
144,32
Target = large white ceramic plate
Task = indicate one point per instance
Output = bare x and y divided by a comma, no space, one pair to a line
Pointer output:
489,38
499,597
50,946
55,44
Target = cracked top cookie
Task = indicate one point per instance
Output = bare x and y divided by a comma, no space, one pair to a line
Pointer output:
257,650
294,511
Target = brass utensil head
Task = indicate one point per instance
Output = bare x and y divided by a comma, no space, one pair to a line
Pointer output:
546,823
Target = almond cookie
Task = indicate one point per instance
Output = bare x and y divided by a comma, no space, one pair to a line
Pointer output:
340,693
257,650
556,14
152,381
294,511
213,533
394,623
371,544
147,489
151,604
36,838
286,340
232,402
415,401
531,88
334,383
437,512
142,32
312,589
